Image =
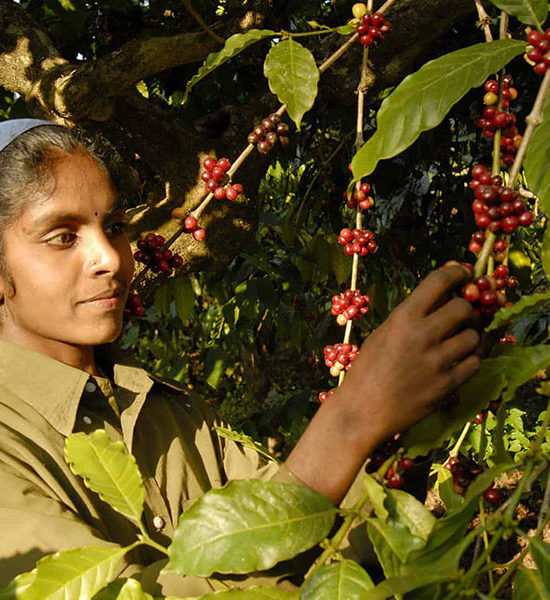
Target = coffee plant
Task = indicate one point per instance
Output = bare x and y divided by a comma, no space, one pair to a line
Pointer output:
489,445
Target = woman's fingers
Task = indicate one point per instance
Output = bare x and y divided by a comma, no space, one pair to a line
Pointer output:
449,318
458,347
463,370
435,288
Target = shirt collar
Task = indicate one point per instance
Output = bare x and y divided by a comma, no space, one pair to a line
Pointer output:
53,388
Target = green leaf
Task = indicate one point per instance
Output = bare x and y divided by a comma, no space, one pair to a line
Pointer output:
444,485
132,590
267,521
251,593
435,87
392,538
537,160
541,555
344,580
522,307
233,45
400,585
530,12
78,573
107,470
528,585
161,299
18,586
403,525
184,297
244,440
293,76
497,376
214,366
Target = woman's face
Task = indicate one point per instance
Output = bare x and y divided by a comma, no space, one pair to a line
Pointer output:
69,262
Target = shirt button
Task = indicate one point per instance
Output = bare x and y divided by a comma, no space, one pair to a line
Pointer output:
90,387
87,420
158,522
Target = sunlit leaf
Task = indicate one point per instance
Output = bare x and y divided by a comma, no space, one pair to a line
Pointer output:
244,440
267,521
523,306
132,590
344,580
293,76
73,574
421,100
233,45
530,12
251,593
108,470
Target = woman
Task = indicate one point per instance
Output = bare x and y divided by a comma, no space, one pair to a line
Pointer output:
65,272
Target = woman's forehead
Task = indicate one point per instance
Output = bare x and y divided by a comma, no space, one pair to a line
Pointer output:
81,190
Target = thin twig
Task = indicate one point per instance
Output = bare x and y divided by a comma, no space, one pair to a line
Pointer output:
484,21
533,120
384,8
202,23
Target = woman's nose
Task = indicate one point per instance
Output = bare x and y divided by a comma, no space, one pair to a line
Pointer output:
102,255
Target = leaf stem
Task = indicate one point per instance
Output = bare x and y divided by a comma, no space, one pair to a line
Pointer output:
145,539
460,441
336,540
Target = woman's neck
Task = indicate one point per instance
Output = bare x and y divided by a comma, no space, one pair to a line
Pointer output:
79,357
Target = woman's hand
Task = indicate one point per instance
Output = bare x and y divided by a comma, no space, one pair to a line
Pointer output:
423,351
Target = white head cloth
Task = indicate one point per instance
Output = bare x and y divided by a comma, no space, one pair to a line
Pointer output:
13,128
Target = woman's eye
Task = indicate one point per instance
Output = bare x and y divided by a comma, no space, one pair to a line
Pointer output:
63,239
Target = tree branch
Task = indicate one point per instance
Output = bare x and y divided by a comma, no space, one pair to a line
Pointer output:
31,65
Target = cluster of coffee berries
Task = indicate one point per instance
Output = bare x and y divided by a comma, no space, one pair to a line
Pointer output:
497,207
484,296
464,472
150,253
357,241
191,226
360,196
270,131
215,179
372,29
394,474
539,54
134,306
351,304
495,117
339,357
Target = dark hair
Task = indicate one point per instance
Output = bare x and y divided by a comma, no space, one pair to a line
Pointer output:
27,170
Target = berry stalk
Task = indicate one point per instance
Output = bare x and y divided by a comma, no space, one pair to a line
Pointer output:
362,89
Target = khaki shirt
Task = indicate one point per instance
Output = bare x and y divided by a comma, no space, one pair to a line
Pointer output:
45,508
